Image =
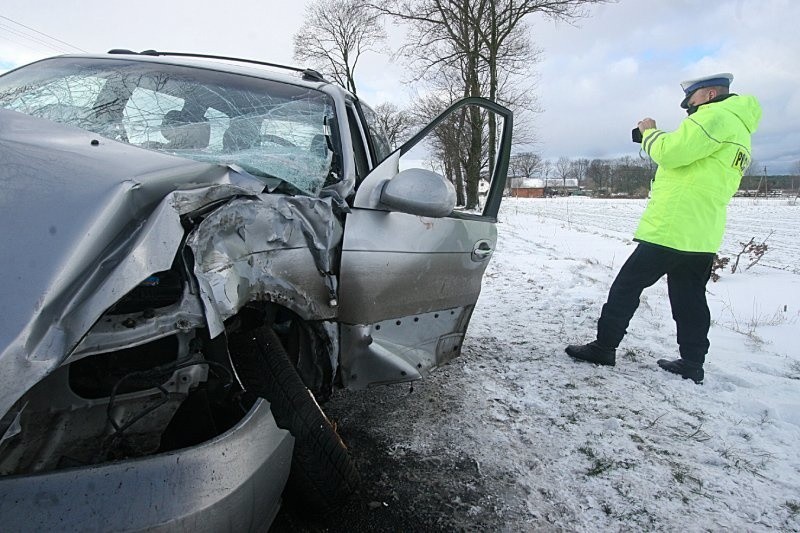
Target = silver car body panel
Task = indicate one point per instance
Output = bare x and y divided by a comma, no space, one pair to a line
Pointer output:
406,349
408,287
395,265
201,488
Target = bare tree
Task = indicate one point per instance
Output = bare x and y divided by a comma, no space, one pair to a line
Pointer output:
526,164
444,42
504,36
396,123
547,169
484,40
335,34
579,169
563,170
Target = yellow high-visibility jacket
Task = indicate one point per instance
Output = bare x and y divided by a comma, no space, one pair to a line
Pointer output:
700,165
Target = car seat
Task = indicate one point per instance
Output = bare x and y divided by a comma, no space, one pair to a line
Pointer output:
242,133
184,131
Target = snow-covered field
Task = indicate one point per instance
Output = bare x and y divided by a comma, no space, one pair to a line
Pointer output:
564,445
632,446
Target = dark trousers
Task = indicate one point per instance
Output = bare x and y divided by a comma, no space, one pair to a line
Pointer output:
687,275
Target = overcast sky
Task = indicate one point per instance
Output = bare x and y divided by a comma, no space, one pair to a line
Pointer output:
594,82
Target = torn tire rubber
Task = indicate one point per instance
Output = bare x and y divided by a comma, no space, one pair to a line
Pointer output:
322,473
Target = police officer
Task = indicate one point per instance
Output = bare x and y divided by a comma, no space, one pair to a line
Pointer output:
700,165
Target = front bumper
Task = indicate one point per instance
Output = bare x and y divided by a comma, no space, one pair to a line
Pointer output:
230,483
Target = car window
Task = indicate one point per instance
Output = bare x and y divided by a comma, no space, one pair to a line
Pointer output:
380,144
270,129
458,147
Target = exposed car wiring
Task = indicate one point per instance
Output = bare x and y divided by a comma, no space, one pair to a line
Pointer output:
155,377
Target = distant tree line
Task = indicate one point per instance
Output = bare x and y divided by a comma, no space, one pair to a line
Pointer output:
631,176
757,180
627,175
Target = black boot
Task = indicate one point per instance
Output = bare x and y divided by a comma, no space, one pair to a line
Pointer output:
684,368
593,352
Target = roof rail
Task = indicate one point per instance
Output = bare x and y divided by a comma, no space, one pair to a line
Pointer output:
308,74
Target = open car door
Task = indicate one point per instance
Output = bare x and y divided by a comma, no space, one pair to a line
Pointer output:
412,263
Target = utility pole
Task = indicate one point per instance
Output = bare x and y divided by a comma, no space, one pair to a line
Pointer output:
764,181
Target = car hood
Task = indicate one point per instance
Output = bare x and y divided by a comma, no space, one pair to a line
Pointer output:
84,220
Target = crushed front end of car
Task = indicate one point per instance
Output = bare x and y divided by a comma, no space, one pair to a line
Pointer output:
128,265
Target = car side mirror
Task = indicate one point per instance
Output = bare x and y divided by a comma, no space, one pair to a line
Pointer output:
417,191
426,145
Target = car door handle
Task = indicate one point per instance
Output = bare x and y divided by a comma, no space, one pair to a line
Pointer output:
481,251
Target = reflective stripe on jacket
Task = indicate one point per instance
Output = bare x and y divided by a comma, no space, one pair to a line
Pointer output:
700,165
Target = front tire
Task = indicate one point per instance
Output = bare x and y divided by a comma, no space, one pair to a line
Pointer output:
322,474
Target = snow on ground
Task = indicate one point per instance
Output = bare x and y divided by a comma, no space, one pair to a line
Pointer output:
573,446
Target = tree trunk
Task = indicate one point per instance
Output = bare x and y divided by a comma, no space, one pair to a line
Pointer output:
459,181
474,158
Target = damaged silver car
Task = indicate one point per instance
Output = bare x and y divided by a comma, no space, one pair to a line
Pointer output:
196,252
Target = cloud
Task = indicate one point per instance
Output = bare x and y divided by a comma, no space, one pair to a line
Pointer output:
626,60
596,78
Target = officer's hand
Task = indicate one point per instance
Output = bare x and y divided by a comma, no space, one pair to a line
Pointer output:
646,124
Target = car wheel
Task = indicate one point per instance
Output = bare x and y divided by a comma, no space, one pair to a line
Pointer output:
322,474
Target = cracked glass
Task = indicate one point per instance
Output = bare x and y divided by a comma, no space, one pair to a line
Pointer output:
277,131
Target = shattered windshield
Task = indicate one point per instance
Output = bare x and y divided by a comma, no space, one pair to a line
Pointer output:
270,129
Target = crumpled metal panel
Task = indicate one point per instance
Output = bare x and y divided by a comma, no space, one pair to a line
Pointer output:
90,221
268,248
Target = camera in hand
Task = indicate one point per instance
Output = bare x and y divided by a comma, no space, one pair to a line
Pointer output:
636,135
